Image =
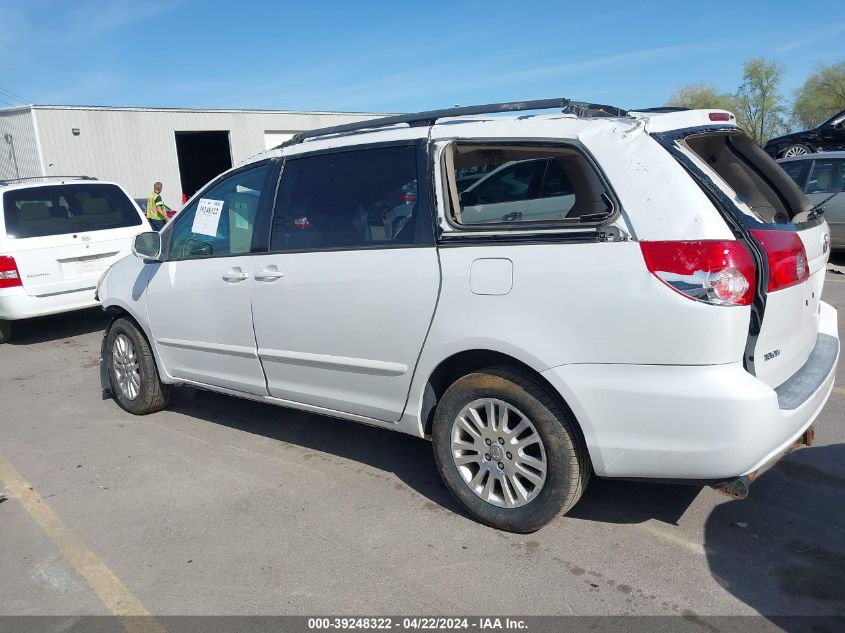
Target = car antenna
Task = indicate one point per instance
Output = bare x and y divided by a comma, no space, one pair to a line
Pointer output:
819,208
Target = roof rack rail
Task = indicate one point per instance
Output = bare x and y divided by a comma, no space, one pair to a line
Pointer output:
587,110
9,181
430,117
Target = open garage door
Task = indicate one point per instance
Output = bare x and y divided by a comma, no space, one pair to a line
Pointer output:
202,156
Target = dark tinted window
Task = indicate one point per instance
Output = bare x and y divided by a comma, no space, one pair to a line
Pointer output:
222,219
60,209
365,197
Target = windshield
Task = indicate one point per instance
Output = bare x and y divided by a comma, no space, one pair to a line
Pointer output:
835,119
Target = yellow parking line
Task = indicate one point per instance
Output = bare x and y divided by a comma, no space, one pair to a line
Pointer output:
118,599
839,390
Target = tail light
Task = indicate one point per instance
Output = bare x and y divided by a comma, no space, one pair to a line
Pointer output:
787,258
409,197
9,275
714,272
719,116
301,222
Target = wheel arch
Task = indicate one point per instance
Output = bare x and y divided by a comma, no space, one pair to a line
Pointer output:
810,145
117,311
467,361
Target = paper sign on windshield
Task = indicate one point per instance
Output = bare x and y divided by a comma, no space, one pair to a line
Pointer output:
207,217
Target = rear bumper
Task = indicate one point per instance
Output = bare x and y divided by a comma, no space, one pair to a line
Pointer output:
15,304
714,422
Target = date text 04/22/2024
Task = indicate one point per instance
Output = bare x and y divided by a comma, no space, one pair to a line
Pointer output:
416,623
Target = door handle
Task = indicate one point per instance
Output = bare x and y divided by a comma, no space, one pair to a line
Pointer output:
269,274
235,275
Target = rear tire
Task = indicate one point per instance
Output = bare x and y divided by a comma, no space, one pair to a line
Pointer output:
531,452
133,375
5,331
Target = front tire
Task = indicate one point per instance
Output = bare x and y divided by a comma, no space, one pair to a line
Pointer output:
133,375
5,331
507,450
798,149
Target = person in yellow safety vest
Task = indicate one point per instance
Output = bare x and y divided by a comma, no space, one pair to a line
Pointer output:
156,209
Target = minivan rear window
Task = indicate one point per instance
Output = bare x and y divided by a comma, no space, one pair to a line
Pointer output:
70,208
768,192
513,186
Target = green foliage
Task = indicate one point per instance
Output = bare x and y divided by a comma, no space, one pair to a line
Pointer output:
821,96
701,96
760,108
759,105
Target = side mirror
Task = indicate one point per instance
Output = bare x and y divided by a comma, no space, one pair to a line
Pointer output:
147,246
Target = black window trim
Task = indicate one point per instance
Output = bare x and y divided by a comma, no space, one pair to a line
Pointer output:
425,215
546,229
257,244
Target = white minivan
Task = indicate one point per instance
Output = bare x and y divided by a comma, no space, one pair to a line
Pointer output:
660,318
57,236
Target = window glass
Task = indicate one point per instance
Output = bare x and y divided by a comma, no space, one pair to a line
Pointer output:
359,198
826,176
222,219
525,184
796,170
72,208
518,180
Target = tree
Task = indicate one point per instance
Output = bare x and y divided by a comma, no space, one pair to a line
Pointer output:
701,96
821,96
760,106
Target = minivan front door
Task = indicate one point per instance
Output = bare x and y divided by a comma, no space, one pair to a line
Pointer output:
341,308
199,300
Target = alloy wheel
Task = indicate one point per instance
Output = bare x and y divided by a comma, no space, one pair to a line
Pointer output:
125,365
498,453
795,150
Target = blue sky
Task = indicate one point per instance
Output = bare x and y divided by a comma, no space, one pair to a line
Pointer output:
398,56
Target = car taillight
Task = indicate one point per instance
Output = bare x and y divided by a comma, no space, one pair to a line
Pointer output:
409,197
9,275
787,258
301,222
719,116
714,272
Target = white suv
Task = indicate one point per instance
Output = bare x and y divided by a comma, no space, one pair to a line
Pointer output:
635,295
57,236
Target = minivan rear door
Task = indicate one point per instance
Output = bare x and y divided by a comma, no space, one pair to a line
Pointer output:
766,207
341,307
64,236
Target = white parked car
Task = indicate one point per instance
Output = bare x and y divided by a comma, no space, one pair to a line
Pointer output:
57,236
665,323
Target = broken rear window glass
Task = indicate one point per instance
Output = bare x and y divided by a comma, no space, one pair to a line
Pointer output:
499,184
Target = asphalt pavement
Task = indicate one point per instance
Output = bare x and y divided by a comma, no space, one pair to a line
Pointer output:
225,506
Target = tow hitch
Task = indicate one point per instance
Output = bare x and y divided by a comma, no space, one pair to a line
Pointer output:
738,487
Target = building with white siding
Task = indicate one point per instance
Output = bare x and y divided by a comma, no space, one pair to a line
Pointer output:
135,147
